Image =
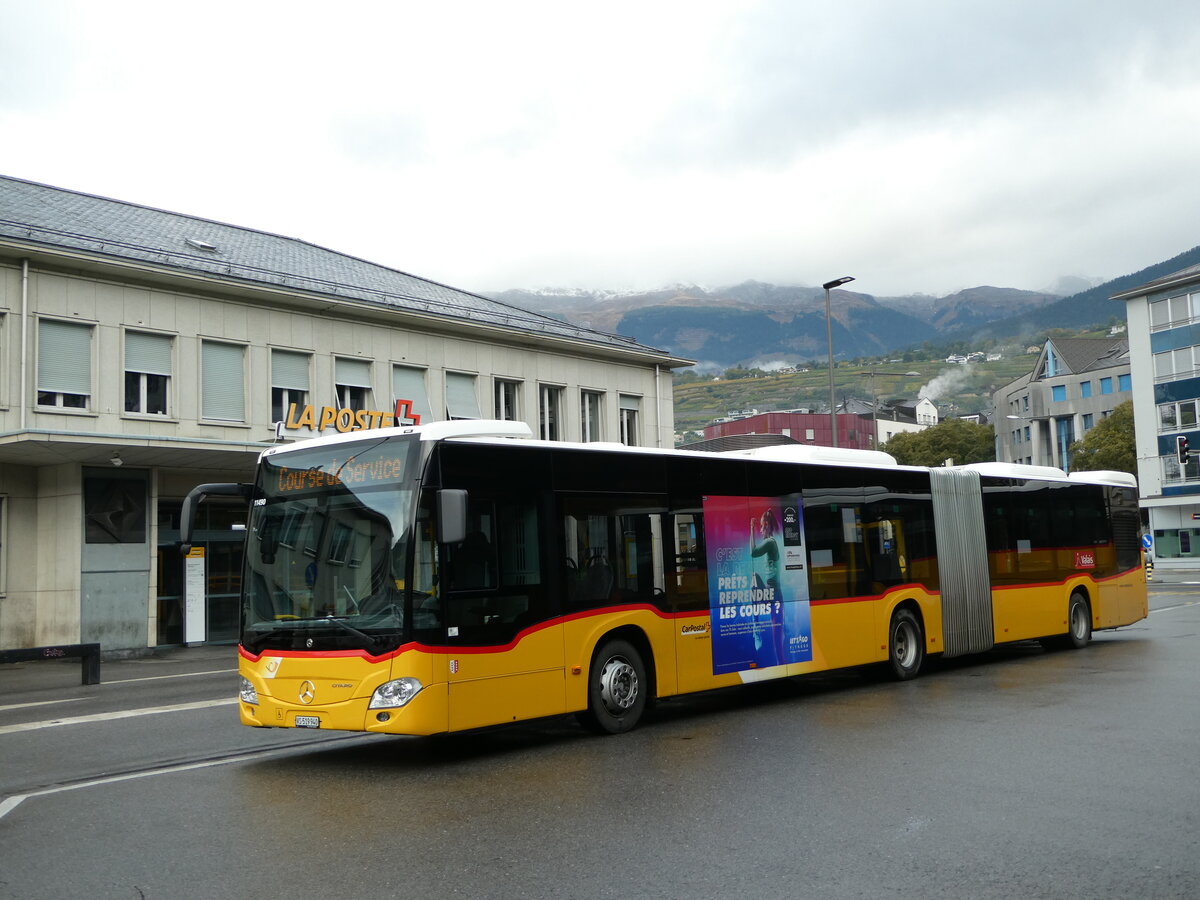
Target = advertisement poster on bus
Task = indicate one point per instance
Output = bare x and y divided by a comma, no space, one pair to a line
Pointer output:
757,582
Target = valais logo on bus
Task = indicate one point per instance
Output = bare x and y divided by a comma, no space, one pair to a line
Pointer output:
758,589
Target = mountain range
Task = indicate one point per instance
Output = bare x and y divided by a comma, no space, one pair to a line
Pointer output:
759,324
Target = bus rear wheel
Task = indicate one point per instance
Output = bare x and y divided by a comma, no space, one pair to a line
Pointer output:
1079,626
906,645
617,686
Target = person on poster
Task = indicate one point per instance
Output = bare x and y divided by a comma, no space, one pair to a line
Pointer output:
764,544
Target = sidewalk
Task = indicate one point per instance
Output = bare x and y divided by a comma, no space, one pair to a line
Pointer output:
119,665
1174,576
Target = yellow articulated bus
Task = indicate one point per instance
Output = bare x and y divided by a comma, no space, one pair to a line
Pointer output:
435,578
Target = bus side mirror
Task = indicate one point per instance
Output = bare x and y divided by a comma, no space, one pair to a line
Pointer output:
451,515
187,516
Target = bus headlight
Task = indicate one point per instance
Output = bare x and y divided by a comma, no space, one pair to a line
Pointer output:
247,693
395,693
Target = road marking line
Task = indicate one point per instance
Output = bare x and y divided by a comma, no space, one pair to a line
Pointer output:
1179,606
181,675
11,803
116,714
42,703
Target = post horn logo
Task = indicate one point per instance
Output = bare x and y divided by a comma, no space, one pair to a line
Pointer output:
308,691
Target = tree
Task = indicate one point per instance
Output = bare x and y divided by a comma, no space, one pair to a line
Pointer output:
1110,445
957,439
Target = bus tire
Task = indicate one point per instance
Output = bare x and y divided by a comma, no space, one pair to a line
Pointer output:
1079,626
617,686
1079,622
906,645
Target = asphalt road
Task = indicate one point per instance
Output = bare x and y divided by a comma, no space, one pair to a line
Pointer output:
1021,773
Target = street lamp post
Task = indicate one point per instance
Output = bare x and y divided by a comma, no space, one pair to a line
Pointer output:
830,285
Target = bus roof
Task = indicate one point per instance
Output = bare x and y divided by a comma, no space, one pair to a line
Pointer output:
1016,470
492,429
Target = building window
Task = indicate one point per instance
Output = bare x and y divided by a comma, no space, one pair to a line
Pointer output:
352,383
1085,389
1025,403
1124,383
64,369
1106,386
461,399
1088,420
222,381
507,394
629,408
1066,437
1170,363
1173,416
289,382
1051,363
1173,311
1173,473
408,387
1027,433
550,413
591,415
147,372
1058,393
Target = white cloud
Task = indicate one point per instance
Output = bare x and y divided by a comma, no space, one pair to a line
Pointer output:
927,146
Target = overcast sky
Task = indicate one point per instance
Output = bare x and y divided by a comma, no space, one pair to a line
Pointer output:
919,145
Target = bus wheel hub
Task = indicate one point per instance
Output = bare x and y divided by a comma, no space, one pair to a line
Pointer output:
618,685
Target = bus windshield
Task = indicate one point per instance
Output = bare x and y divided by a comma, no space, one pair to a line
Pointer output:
326,548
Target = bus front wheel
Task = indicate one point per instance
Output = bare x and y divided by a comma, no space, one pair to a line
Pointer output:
617,686
906,645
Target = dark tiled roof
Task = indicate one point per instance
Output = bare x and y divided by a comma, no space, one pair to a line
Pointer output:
45,216
1085,354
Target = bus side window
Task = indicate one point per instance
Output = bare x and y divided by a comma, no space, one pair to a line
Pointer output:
612,550
494,578
685,564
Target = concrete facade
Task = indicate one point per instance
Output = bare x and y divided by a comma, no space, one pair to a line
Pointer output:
144,352
1074,384
1164,349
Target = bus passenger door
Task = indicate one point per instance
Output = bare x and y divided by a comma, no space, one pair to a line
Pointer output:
505,660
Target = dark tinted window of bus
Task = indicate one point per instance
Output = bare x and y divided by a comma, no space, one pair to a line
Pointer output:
490,466
1126,524
897,530
492,583
1039,528
833,518
611,472
685,555
609,550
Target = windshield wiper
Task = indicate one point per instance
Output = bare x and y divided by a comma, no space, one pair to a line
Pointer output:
367,639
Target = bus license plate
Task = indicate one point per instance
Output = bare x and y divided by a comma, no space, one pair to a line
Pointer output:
308,721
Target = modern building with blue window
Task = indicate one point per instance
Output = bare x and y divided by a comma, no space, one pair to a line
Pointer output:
1074,384
1164,347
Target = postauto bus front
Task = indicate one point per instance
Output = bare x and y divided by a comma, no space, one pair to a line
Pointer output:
339,584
